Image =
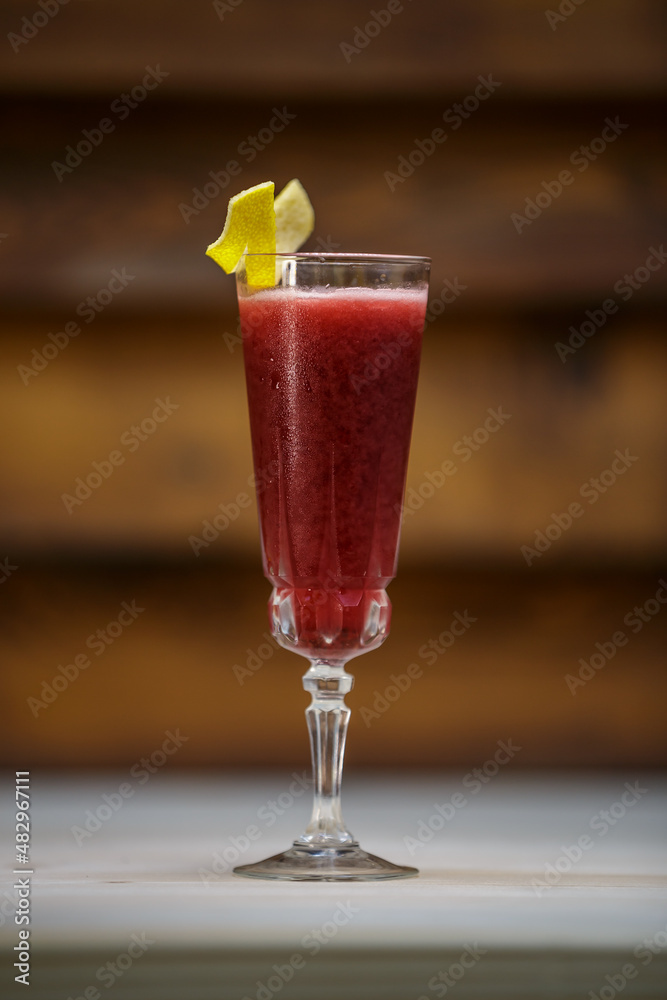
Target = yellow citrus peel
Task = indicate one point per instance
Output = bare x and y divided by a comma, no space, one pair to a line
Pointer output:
295,218
256,224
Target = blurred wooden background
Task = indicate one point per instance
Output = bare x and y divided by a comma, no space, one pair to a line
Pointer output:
131,207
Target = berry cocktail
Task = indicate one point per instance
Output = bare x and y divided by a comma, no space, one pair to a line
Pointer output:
332,359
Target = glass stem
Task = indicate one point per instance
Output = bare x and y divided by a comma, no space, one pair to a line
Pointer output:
327,717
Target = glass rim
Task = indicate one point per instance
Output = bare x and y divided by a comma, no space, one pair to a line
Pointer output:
346,258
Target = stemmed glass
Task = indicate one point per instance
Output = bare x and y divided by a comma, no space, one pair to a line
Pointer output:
331,358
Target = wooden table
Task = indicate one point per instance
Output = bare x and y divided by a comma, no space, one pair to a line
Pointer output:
526,889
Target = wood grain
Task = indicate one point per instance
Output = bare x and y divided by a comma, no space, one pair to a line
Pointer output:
127,226
174,666
137,200
258,47
557,426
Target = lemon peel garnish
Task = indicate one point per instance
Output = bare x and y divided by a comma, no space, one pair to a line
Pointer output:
295,218
256,224
250,227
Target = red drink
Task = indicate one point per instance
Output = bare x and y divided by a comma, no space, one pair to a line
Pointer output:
332,357
332,378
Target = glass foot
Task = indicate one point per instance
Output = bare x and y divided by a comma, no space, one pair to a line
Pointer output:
325,864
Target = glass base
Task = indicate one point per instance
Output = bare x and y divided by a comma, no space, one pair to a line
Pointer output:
325,864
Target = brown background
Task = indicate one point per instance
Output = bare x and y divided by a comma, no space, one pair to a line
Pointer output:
163,337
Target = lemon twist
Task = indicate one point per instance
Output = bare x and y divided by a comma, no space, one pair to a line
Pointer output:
256,224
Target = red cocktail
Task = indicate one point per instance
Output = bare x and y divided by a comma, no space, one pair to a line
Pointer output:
332,378
332,360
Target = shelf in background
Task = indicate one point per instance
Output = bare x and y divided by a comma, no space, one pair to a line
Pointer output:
199,657
137,201
557,426
264,48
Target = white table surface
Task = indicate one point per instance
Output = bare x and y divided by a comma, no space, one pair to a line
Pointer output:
140,873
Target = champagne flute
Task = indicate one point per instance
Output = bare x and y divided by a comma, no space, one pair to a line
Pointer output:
331,359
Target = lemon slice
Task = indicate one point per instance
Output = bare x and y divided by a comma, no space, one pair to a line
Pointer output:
257,225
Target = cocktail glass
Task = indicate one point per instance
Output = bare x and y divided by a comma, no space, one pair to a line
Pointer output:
331,358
